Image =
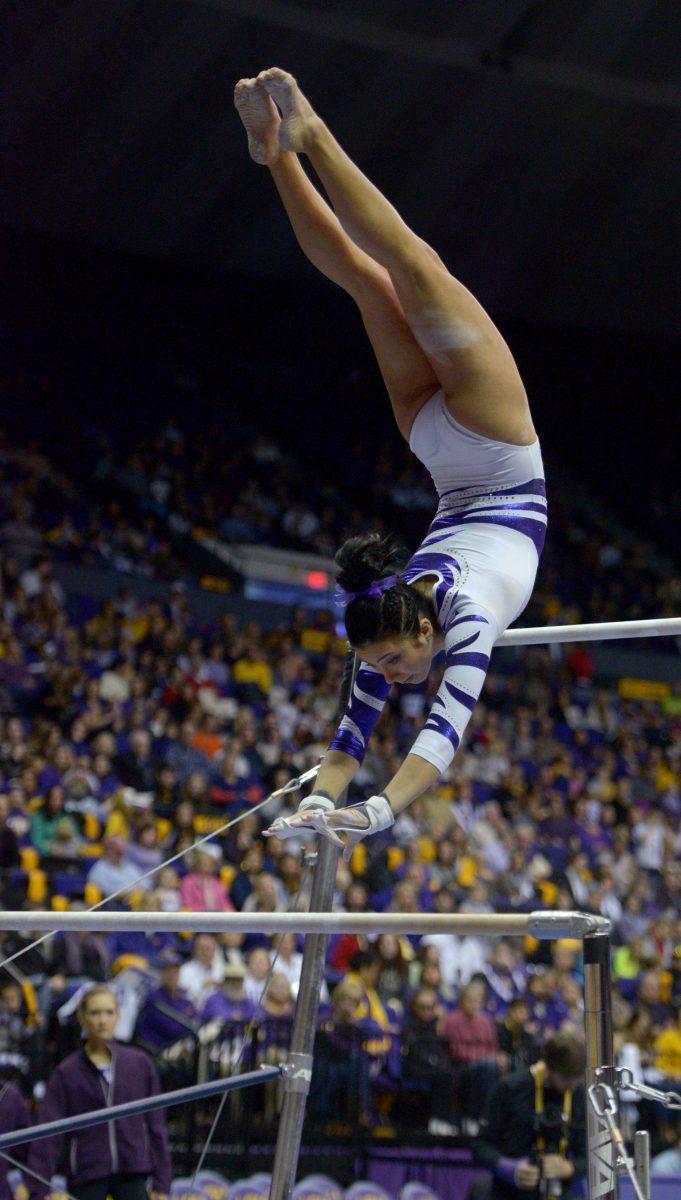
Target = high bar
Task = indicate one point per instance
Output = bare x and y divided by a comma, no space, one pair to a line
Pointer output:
84,1120
604,632
540,925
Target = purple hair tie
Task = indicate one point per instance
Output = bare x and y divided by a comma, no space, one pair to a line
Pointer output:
375,589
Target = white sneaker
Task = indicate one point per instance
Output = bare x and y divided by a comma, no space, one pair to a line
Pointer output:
441,1128
470,1127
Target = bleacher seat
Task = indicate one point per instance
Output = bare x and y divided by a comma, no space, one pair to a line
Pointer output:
317,1187
364,1189
256,1187
417,1191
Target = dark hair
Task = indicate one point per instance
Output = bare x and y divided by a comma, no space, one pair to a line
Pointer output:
480,979
565,1053
55,789
363,958
420,991
360,561
518,1000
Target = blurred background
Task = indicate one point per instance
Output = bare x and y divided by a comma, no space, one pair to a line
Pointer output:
192,422
535,144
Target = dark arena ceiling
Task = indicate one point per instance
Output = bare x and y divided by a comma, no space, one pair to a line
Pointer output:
536,144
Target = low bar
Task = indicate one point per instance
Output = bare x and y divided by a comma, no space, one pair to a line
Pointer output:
604,631
98,1116
541,925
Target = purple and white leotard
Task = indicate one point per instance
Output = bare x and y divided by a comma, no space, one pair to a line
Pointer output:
483,547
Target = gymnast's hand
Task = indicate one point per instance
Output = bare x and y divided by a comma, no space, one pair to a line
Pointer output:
356,822
287,827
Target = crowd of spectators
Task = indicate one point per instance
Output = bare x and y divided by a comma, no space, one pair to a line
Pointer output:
46,513
128,734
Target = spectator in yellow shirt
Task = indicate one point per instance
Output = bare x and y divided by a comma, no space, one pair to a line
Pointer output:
668,1049
252,670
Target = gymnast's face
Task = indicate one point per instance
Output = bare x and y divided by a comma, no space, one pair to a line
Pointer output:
400,658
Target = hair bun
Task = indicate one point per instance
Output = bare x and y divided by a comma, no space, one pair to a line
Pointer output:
367,557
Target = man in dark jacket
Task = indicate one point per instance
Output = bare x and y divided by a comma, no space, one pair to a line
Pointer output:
515,1039
426,1059
115,1158
137,768
20,1059
534,1137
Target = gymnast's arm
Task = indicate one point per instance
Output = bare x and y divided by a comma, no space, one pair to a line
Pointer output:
469,637
470,634
345,754
335,774
348,745
412,779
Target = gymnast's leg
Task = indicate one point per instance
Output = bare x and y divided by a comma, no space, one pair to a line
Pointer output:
407,372
467,352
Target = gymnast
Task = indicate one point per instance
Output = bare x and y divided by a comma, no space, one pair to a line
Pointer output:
459,401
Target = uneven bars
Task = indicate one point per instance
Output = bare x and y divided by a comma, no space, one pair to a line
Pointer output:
130,1108
605,631
540,925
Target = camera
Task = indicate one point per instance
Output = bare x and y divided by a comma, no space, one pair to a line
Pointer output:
549,1128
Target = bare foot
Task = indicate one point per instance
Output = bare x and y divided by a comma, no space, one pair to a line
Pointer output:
261,120
298,118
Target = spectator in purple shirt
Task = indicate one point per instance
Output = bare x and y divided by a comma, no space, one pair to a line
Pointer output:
548,1010
111,1159
505,977
14,1115
156,1025
229,1002
650,998
183,756
557,826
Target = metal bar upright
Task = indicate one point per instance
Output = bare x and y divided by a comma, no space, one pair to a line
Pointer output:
297,1081
602,1167
642,1161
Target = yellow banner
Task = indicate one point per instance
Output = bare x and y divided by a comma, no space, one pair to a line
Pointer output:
643,689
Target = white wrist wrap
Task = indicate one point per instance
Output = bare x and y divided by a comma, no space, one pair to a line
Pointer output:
316,801
379,812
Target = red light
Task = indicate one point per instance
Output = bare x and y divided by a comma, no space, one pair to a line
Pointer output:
318,580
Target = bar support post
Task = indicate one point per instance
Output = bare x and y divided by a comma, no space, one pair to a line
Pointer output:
600,1067
642,1161
299,1065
